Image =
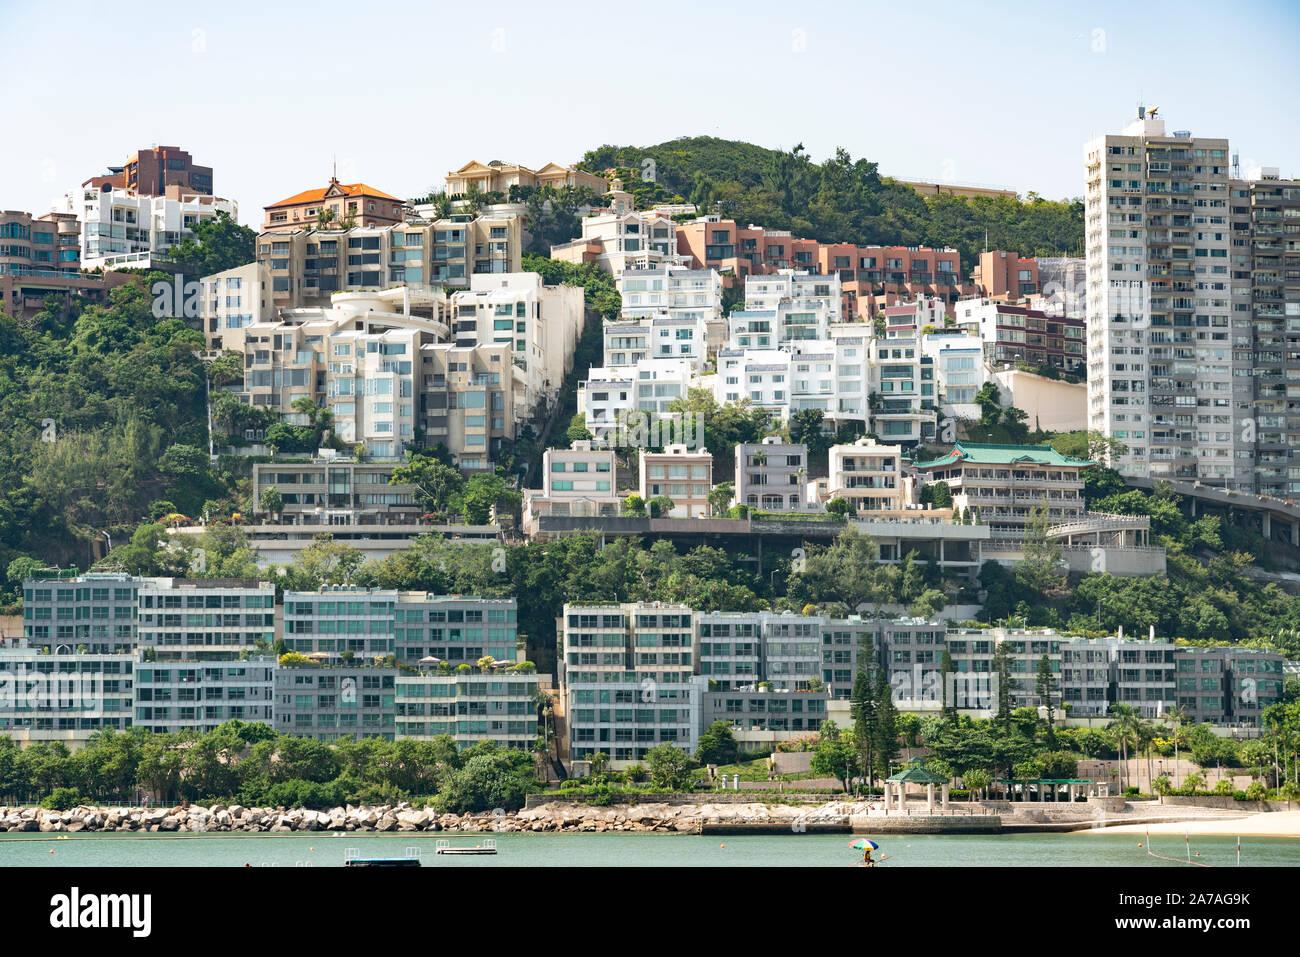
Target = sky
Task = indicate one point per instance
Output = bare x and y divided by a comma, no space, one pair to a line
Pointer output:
398,94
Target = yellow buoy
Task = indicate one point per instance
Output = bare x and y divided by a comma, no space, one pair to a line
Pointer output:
724,846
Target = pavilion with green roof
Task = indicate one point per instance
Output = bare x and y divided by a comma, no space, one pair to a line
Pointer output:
1002,485
915,772
980,453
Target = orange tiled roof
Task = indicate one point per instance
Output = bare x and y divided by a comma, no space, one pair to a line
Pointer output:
350,189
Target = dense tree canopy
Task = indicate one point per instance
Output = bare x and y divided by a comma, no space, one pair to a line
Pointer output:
842,199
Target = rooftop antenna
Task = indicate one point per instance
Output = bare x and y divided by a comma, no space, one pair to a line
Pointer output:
1236,165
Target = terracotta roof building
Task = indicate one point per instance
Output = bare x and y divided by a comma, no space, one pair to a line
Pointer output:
363,205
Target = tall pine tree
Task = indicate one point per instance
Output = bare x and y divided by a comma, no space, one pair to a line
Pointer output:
886,736
1002,669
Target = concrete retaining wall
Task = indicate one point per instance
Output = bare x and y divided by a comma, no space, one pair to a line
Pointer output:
1226,802
702,797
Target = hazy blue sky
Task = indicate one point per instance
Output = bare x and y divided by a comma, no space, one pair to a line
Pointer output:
995,93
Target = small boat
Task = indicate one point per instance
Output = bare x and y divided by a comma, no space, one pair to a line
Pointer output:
487,847
352,858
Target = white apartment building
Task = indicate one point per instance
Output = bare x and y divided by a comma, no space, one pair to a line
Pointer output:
1164,315
121,228
683,475
662,335
829,375
959,371
907,320
902,381
760,377
867,474
797,293
623,239
772,475
605,396
651,386
675,290
539,323
833,376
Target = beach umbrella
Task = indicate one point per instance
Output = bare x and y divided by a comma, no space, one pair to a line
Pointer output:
861,844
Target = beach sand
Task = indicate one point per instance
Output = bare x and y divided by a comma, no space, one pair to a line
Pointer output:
1268,824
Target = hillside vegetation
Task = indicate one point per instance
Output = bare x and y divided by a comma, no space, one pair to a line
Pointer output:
839,200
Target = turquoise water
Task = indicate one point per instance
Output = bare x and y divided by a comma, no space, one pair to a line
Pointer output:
624,850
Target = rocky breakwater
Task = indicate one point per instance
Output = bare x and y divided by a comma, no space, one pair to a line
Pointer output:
399,818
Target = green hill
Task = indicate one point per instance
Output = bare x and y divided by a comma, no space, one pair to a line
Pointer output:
840,200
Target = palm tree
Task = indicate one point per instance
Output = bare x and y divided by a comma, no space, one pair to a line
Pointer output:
1125,729
545,705
1147,732
1177,715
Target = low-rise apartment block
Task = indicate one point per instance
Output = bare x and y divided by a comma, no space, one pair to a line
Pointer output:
909,320
673,291
681,474
903,386
150,171
581,480
869,475
1227,685
629,675
455,629
93,613
340,622
1097,673
1019,334
205,619
871,277
191,695
651,386
772,475
470,708
334,492
1006,276
332,701
662,335
62,696
308,263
